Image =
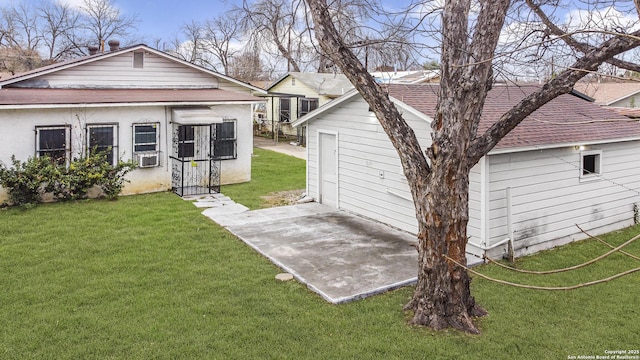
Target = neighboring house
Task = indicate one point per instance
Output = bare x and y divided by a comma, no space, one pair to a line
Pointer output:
612,94
407,77
296,94
561,166
188,128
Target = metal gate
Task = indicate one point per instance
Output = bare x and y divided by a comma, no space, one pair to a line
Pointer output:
195,171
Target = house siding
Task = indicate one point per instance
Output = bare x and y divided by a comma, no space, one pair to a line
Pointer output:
370,176
632,101
118,71
548,197
286,87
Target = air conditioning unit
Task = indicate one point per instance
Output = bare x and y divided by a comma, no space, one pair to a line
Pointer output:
146,160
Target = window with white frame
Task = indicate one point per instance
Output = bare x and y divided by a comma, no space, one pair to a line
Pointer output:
590,164
224,144
145,138
103,138
54,142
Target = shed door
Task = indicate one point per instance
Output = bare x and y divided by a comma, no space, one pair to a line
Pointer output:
328,170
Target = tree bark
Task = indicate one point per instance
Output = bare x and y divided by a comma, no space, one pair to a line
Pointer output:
440,185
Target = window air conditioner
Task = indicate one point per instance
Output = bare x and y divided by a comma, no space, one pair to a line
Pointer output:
146,160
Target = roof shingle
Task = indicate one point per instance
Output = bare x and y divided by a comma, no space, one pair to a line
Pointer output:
564,120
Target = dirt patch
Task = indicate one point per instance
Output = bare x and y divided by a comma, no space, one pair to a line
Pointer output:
282,198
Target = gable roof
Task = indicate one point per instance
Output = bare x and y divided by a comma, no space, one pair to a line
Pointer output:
566,120
328,84
608,93
92,58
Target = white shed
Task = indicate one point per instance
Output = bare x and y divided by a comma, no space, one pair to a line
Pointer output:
571,162
188,128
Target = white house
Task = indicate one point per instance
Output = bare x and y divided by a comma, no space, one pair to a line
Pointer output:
188,128
296,94
571,162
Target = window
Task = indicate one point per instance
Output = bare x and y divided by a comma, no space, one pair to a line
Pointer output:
53,141
307,106
285,109
145,138
590,164
138,60
103,139
186,141
224,143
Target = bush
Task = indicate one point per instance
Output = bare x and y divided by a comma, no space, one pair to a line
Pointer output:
27,182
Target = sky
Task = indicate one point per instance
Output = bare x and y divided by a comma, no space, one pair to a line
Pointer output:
164,18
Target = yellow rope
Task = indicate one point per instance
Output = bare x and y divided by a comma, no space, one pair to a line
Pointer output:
609,245
543,287
616,249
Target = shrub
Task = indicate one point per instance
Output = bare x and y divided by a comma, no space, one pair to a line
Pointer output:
26,182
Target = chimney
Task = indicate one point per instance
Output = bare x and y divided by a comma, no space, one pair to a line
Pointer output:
114,45
93,49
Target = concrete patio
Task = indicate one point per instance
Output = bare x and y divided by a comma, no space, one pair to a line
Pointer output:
340,256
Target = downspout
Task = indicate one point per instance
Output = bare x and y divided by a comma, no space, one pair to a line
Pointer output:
509,239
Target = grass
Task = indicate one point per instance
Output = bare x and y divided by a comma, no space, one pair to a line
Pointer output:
149,277
270,172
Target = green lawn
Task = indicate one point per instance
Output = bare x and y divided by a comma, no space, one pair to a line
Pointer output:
270,172
149,277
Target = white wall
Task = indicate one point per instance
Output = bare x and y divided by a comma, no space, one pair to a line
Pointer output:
17,137
365,153
238,170
548,197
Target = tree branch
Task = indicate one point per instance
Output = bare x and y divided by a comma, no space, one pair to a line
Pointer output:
400,133
561,84
569,40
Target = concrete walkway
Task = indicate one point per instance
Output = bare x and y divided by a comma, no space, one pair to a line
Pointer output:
284,148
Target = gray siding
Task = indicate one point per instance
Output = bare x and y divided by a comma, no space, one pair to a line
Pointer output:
118,71
371,182
548,197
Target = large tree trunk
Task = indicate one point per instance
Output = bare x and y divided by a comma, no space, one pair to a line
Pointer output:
442,297
440,186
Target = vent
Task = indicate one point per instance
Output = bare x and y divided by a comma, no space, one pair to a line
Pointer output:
148,160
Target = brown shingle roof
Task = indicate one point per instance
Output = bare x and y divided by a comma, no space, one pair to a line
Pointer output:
20,96
565,120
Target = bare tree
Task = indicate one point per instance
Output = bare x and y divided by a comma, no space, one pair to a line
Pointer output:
220,33
276,24
192,48
439,178
19,39
24,26
248,66
103,20
59,21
